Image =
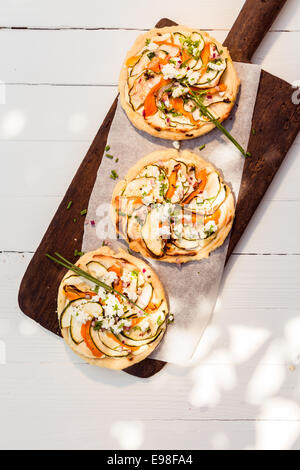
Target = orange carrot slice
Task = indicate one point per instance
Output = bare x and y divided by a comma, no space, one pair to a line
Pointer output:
112,336
215,217
116,269
131,61
150,107
85,333
172,181
178,105
202,175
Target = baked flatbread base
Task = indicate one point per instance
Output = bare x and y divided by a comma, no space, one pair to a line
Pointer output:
229,78
111,363
190,158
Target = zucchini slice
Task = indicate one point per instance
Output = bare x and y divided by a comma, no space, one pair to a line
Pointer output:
84,350
96,269
111,344
179,38
75,331
138,186
154,243
211,78
141,64
145,297
155,320
187,245
141,88
94,334
141,342
151,171
65,317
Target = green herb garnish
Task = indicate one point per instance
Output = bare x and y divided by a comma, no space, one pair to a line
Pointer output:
108,155
151,55
202,147
107,148
69,204
83,212
78,253
114,175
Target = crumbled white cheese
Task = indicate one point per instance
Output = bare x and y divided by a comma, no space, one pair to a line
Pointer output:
144,326
221,93
192,77
152,46
169,71
109,277
176,144
208,227
164,231
196,114
179,91
147,200
214,66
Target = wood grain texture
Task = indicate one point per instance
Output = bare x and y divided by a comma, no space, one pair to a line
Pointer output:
250,27
65,236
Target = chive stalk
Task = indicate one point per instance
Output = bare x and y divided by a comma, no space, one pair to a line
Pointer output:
80,272
205,111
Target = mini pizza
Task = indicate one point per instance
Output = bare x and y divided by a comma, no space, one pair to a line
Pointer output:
107,329
165,75
173,206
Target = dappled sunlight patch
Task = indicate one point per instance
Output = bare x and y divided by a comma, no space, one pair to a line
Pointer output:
245,341
269,375
210,336
27,327
220,441
78,123
278,428
211,380
292,337
2,352
129,434
13,123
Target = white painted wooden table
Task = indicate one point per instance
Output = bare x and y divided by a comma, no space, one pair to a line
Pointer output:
244,392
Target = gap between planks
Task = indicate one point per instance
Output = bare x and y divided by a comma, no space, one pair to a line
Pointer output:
101,28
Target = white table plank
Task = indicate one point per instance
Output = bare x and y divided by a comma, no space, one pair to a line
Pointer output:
95,57
77,13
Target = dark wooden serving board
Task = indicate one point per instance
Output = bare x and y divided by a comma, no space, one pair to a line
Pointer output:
276,121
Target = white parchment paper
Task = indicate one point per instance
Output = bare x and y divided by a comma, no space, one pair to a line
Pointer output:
192,288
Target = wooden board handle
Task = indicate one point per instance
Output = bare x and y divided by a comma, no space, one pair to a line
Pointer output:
253,22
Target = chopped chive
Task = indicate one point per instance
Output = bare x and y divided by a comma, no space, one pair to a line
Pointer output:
107,148
69,204
83,212
78,253
117,160
248,154
109,156
114,175
253,131
202,147
74,220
